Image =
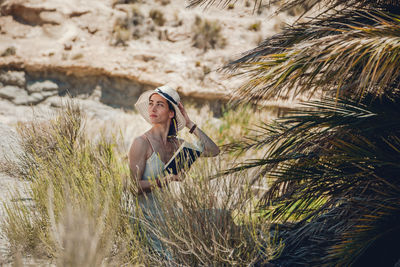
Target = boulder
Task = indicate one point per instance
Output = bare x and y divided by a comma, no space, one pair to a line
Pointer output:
12,92
19,96
13,78
33,99
42,86
26,12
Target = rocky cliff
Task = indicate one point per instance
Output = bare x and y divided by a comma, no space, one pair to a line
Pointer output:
111,51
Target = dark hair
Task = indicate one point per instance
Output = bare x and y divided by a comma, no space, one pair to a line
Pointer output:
173,127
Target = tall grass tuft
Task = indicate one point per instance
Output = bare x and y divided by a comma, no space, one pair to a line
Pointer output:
203,222
73,182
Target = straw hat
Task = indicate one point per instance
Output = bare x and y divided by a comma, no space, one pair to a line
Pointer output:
170,95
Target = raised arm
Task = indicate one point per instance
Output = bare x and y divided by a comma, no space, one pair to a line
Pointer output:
210,148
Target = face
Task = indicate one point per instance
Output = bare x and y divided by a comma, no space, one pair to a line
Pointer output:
159,111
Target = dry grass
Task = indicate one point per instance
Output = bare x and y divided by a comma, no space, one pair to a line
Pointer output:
207,223
255,26
80,214
70,176
157,16
207,34
9,51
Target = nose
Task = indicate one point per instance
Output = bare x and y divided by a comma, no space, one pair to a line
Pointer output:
152,108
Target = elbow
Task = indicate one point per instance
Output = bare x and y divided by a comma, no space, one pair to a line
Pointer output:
211,151
216,151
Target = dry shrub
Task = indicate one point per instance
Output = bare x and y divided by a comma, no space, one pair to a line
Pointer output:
157,16
40,138
206,222
255,26
207,34
70,174
164,2
121,32
127,27
76,204
81,240
9,51
117,2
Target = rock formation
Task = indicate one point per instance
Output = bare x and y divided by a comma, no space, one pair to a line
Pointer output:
114,50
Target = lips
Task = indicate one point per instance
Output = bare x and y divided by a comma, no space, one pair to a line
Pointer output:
153,116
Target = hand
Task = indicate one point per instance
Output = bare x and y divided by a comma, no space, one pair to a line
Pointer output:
189,124
174,177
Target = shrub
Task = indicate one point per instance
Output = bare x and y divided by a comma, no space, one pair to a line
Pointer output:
9,51
255,26
207,222
137,16
127,27
77,56
121,32
116,2
207,34
72,181
78,210
157,17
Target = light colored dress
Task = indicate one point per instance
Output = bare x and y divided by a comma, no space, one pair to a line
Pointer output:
154,169
149,203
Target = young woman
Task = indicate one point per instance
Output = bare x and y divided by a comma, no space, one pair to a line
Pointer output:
149,152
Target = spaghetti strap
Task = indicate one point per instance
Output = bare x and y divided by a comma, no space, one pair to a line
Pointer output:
149,142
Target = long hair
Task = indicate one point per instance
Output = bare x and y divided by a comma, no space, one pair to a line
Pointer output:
173,125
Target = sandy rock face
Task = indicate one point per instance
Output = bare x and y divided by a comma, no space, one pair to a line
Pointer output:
9,144
122,46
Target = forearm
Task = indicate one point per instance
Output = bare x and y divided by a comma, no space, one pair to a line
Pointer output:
210,148
145,186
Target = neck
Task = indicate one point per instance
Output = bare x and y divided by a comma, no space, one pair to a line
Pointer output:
160,132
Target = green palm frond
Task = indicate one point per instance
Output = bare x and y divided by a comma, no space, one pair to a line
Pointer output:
328,163
359,60
333,4
333,165
315,28
324,5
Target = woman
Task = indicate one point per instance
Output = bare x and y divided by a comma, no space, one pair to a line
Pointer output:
149,152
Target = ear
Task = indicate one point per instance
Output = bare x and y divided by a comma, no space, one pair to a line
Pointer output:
171,114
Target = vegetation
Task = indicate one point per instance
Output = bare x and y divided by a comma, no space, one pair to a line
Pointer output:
207,34
71,181
80,209
255,26
157,16
121,32
333,164
9,51
133,25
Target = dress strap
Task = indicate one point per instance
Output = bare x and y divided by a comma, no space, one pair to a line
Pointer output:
149,142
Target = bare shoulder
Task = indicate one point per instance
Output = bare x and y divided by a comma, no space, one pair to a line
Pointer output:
139,145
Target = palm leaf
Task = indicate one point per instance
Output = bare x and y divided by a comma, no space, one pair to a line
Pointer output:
357,61
330,159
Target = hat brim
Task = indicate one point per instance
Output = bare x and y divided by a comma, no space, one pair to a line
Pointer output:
142,106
